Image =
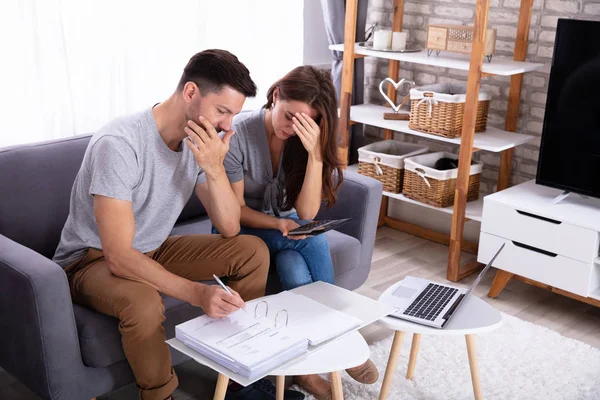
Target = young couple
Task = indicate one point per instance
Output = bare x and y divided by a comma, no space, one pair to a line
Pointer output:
139,171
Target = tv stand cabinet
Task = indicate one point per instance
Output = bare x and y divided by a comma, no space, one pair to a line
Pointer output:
551,245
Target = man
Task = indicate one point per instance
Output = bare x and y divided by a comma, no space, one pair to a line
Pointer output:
137,174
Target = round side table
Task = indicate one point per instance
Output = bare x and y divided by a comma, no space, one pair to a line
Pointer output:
474,316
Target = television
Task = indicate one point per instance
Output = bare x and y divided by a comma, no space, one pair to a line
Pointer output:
569,157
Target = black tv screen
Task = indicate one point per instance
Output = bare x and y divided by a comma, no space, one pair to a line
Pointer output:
570,147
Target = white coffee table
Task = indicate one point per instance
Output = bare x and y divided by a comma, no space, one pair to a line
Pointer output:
347,352
344,352
473,317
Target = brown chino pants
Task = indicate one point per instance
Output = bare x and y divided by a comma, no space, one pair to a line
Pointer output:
139,307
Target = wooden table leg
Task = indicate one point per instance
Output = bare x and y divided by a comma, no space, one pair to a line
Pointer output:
500,281
414,350
474,365
280,385
221,389
391,365
336,385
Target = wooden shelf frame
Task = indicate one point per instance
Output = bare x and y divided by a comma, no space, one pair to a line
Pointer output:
476,73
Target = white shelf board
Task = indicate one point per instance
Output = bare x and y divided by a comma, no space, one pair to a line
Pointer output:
492,139
474,208
595,294
498,66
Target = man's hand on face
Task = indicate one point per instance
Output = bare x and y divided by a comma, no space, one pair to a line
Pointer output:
208,148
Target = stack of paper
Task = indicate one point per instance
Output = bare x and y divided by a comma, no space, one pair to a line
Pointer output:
247,346
252,343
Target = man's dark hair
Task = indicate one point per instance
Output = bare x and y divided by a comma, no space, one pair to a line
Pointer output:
211,70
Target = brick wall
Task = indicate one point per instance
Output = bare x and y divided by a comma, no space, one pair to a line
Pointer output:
503,16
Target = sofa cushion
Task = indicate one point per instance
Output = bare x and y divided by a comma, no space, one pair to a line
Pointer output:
193,226
193,209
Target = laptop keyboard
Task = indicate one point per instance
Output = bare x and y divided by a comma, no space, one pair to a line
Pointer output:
430,302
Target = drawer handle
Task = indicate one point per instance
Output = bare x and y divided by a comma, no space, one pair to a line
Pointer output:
552,221
544,252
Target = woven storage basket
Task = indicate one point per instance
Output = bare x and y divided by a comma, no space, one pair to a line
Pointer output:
384,161
442,184
439,109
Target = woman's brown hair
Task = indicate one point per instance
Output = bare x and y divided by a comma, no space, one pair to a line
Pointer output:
314,87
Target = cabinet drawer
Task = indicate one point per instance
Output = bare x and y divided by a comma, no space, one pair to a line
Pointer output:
554,270
544,233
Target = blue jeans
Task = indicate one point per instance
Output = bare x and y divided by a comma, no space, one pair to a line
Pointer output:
298,262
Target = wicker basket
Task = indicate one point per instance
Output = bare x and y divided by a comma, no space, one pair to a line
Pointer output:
439,109
384,161
434,187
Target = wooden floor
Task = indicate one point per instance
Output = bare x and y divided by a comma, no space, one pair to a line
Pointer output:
397,255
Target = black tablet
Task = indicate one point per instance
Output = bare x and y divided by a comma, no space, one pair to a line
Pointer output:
317,227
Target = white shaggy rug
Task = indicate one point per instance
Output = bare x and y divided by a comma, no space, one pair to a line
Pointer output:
519,360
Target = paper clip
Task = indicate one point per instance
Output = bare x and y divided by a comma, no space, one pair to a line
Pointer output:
256,309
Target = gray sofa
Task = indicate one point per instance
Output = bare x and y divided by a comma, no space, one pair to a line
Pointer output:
61,350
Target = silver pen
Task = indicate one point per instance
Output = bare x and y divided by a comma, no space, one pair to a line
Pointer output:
225,287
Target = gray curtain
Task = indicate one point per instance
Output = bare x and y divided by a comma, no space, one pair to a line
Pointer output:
334,13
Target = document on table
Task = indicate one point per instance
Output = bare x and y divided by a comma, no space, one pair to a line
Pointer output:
274,330
244,344
311,319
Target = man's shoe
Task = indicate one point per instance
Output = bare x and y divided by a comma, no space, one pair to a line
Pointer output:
262,389
366,373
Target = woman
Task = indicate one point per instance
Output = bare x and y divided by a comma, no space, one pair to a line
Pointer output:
281,165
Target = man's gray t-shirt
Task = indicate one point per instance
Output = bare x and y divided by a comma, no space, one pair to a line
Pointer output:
128,160
249,159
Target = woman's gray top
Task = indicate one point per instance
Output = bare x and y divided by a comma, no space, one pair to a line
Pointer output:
249,159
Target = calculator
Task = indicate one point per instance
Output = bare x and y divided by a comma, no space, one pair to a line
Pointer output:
318,227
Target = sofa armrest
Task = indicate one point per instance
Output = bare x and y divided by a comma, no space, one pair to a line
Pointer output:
38,335
360,199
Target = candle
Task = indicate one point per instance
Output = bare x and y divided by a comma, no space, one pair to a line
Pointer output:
399,40
382,40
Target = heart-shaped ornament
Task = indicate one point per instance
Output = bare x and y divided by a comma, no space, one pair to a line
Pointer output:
401,82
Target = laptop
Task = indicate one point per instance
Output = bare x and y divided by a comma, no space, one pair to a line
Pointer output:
429,303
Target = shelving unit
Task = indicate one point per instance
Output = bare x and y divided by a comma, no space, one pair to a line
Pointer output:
494,140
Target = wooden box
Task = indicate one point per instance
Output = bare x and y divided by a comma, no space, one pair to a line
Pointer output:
457,39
